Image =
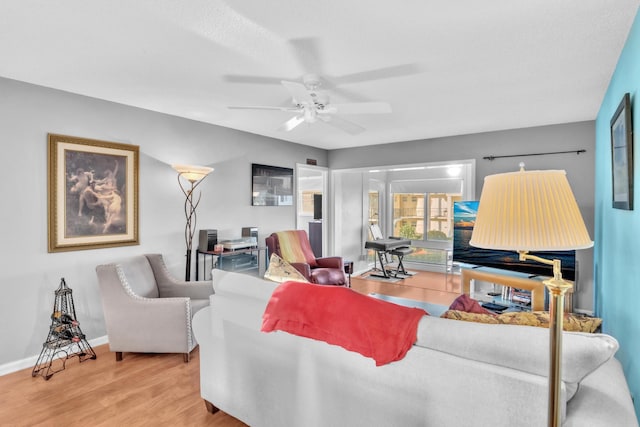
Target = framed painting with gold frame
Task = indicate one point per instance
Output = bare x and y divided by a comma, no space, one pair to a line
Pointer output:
92,193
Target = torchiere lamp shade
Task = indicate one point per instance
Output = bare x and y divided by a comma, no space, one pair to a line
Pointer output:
529,211
192,173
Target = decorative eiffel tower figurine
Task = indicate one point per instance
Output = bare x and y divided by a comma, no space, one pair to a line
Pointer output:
65,339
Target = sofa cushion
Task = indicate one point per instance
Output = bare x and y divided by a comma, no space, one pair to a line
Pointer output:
524,348
238,298
328,276
198,304
281,271
228,282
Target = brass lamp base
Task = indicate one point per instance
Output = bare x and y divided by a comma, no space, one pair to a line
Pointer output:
557,290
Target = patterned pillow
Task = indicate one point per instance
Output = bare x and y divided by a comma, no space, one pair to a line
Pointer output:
470,317
572,322
281,271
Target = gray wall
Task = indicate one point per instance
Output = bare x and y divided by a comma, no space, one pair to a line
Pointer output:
29,274
573,136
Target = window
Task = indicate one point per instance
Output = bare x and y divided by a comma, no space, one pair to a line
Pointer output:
374,207
415,199
428,216
427,220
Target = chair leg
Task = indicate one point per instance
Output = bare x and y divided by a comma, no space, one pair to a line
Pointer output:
185,357
211,408
118,356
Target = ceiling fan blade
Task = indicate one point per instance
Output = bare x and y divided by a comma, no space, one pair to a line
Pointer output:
258,107
380,73
240,78
360,108
343,124
298,92
291,123
307,53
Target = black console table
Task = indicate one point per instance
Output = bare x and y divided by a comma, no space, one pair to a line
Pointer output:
245,260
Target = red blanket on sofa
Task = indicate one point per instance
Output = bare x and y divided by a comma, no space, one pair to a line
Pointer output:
374,328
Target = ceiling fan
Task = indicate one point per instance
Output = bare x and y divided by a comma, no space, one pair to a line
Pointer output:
310,105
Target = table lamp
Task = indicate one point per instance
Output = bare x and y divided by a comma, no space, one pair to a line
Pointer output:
195,175
535,211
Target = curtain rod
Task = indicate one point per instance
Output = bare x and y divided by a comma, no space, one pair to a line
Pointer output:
535,154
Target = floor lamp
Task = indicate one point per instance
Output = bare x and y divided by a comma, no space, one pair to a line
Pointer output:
535,211
194,175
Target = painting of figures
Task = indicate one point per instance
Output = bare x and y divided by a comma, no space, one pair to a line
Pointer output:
93,198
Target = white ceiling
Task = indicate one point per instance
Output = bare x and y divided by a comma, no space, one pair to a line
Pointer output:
446,67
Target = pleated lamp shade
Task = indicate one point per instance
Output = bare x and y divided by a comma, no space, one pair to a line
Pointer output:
529,211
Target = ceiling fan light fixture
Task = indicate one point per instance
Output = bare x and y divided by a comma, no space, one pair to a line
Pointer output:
291,123
310,115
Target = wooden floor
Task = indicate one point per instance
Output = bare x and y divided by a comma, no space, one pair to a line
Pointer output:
436,288
141,390
152,389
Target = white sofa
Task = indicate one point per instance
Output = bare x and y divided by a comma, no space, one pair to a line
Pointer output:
457,374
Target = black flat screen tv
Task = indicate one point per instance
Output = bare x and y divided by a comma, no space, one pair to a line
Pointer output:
464,217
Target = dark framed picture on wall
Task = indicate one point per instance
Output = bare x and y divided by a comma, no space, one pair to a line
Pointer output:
271,186
92,194
622,155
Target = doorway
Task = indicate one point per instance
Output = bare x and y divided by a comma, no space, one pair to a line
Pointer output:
311,208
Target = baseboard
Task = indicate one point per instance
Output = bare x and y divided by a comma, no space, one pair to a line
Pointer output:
30,362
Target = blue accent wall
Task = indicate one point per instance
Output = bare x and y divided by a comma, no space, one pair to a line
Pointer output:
617,232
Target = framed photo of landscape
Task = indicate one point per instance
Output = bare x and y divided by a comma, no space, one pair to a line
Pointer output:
622,155
92,193
271,185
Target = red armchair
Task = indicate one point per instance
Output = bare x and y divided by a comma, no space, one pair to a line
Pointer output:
293,246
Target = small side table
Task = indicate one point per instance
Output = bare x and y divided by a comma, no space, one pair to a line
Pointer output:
256,267
348,268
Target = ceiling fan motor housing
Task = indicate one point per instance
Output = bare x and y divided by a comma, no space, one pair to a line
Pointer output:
311,81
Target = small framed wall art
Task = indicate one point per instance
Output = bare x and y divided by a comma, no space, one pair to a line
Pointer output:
622,155
271,186
92,194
